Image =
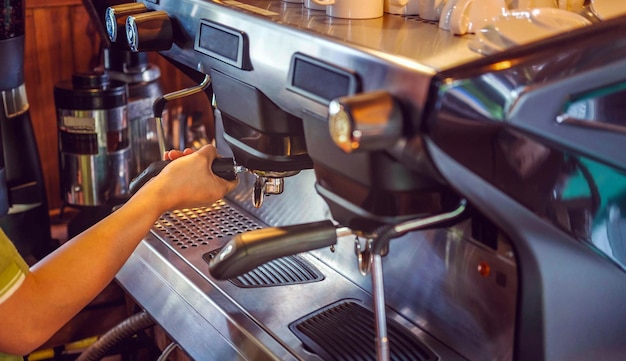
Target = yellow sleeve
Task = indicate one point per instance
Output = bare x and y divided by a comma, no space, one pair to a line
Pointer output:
13,268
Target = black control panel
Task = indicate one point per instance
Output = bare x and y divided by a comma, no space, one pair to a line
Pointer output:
320,81
223,43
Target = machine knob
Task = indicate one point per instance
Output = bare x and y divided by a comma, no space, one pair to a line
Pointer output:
115,20
151,31
367,121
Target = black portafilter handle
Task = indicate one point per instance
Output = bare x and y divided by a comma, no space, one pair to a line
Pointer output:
251,249
221,167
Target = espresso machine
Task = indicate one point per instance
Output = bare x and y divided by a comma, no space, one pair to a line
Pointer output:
426,202
26,222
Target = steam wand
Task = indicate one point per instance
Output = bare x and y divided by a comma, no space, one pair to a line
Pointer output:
371,258
251,249
159,106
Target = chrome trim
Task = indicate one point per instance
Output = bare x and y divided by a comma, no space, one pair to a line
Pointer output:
15,101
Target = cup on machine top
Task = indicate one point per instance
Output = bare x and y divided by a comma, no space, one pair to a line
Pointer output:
352,9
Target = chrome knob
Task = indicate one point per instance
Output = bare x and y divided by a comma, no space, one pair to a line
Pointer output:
367,121
150,31
115,20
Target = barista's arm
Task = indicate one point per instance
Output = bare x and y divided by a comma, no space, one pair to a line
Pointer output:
64,282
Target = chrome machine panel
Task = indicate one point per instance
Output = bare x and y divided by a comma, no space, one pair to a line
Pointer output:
399,54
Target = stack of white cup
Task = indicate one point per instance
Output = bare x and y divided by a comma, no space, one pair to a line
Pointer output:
458,16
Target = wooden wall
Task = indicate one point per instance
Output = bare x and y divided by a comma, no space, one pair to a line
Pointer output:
60,40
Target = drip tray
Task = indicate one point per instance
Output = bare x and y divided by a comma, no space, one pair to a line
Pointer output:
283,271
346,331
204,227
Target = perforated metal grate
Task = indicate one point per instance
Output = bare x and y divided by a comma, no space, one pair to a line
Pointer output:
199,226
282,271
346,331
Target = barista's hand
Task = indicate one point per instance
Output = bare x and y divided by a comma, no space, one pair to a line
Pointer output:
188,181
175,153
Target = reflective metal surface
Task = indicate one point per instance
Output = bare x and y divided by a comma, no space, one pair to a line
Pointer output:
84,182
550,135
15,101
89,179
496,133
169,278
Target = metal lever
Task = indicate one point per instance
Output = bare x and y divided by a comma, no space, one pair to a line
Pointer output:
159,106
222,167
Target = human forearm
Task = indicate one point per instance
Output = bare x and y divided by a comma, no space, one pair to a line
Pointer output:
61,284
69,278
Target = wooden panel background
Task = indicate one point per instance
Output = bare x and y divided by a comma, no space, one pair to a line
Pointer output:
61,40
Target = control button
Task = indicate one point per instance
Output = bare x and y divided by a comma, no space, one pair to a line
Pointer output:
115,20
367,121
484,269
151,31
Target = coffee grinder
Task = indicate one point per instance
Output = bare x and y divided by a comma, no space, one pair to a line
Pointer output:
144,88
94,145
26,222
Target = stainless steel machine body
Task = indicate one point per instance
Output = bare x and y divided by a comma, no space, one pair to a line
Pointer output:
215,320
499,285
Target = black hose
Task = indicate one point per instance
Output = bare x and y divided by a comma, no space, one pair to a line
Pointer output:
124,329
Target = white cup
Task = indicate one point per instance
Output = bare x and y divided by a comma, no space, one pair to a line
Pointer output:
488,41
309,4
353,9
446,13
402,7
466,16
531,4
431,9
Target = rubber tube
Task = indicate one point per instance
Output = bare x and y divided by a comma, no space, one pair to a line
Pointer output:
124,329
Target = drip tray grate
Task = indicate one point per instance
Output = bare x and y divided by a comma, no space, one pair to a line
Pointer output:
278,272
346,331
198,227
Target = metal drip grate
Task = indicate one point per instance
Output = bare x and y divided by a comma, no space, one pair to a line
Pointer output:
278,272
346,331
198,226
